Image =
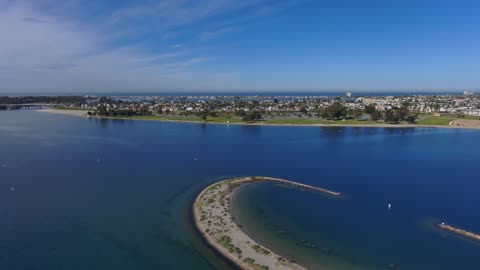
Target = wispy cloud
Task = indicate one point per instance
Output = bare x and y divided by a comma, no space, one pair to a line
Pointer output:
157,58
88,45
208,35
175,13
193,61
262,9
169,35
57,56
34,20
57,66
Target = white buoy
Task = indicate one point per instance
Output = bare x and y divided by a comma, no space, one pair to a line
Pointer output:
13,189
389,207
195,158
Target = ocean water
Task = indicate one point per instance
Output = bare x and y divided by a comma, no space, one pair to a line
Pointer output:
427,178
79,193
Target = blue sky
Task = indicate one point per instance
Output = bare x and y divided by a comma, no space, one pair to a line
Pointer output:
230,45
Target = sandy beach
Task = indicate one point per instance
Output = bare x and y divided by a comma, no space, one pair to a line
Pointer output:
455,124
459,123
65,112
216,222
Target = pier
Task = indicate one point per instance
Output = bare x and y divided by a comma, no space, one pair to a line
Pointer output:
30,106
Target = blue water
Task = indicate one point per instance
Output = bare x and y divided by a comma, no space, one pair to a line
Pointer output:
428,176
113,194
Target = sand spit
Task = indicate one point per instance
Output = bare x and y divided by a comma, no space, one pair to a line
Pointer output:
461,232
66,112
213,218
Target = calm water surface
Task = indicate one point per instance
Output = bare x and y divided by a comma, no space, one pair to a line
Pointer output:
104,194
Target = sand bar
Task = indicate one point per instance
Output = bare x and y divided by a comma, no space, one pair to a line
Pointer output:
213,218
66,112
461,232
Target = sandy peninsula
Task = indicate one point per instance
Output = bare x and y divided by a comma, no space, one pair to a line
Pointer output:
458,231
66,112
213,218
455,124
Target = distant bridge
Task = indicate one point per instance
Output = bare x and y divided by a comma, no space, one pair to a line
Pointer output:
30,106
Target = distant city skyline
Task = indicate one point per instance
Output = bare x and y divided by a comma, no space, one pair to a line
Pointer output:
238,46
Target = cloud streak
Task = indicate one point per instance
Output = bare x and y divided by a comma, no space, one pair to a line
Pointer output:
218,33
49,46
175,13
56,56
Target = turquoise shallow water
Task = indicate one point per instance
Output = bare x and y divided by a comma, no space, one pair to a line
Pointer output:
105,194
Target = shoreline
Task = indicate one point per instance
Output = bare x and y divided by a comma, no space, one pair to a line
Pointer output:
195,230
217,224
80,113
252,235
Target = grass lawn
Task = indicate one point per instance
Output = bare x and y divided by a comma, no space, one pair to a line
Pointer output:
234,119
454,116
436,121
217,119
224,119
307,121
444,119
56,107
163,117
429,120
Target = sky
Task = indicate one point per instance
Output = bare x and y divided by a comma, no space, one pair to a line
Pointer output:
74,46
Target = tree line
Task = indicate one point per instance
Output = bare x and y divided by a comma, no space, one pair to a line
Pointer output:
104,111
337,111
43,100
